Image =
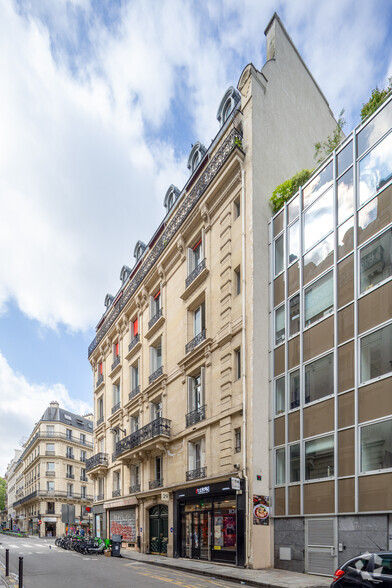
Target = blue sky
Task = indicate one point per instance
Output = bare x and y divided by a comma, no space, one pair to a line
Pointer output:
99,106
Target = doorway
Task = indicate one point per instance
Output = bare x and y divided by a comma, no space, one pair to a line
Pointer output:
197,535
320,546
158,529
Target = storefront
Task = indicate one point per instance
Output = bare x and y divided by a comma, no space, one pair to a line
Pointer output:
99,521
209,523
33,526
122,521
50,526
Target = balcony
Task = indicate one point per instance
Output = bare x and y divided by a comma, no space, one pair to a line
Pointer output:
70,456
116,407
195,341
116,493
50,473
134,342
195,416
51,512
63,436
83,459
70,476
83,479
195,474
155,323
134,392
155,484
98,461
133,489
99,497
99,381
100,421
154,319
115,363
158,427
50,452
155,375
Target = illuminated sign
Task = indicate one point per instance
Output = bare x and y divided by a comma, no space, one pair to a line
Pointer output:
203,490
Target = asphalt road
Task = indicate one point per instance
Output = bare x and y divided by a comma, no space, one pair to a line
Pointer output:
48,566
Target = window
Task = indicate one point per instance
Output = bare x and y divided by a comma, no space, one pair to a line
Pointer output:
376,261
156,356
319,299
135,375
196,253
100,408
50,508
116,439
69,453
83,474
294,315
196,455
319,378
83,438
280,466
237,440
155,304
49,430
134,328
135,475
158,468
237,281
237,208
280,396
100,369
101,487
294,389
279,255
83,492
318,220
83,455
295,463
70,473
293,245
50,466
116,481
68,434
199,320
196,391
375,169
116,394
69,490
134,423
237,363
50,486
376,446
376,354
156,410
279,325
50,449
319,458
383,565
116,350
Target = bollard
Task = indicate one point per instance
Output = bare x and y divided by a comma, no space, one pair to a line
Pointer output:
7,562
21,572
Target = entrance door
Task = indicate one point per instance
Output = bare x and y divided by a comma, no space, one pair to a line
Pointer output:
201,534
158,529
320,542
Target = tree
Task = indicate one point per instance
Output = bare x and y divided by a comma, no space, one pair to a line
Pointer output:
2,493
285,191
324,148
377,98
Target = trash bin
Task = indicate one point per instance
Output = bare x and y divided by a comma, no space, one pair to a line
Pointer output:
116,545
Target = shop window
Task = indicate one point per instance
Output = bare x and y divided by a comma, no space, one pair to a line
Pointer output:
376,446
376,354
280,466
319,458
280,325
294,315
318,220
295,472
280,396
375,169
279,256
237,440
319,299
295,389
293,250
319,378
376,261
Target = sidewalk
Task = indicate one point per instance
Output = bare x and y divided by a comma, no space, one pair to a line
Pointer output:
11,581
268,578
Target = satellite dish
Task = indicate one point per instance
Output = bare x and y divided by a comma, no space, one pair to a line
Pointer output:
23,440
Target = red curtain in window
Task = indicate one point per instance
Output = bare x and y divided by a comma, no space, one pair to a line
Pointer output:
117,348
157,294
135,327
100,368
197,245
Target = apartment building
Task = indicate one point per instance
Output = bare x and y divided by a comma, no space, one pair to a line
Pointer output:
331,291
180,357
12,482
51,473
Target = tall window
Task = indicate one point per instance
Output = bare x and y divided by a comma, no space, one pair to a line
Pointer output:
319,299
158,468
50,430
69,453
70,489
237,281
135,375
295,463
116,350
237,440
199,319
156,410
376,261
83,492
280,405
376,354
155,304
196,455
70,473
83,438
196,391
50,466
116,481
376,446
319,458
83,455
116,394
319,378
100,407
280,466
135,475
279,258
196,253
68,434
280,325
50,486
294,315
134,422
156,356
134,328
294,389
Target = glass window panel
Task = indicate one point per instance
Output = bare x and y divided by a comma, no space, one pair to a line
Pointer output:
345,157
293,208
279,255
319,378
293,281
319,458
280,466
376,354
294,389
318,219
345,196
293,247
346,238
376,446
319,299
294,315
320,183
278,223
375,129
295,463
375,169
383,565
279,396
318,259
279,325
345,281
376,215
376,261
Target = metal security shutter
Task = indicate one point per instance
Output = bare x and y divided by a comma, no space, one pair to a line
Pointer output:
321,555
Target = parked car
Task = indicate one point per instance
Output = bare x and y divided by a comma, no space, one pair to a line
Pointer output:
367,570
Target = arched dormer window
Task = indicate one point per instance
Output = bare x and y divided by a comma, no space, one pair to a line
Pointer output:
227,105
125,273
139,250
108,300
196,155
171,196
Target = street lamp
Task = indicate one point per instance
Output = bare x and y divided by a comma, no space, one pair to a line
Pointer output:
116,430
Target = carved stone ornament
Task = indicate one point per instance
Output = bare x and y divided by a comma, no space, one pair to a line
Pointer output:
205,215
181,247
162,275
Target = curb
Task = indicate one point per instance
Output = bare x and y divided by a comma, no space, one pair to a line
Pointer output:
11,582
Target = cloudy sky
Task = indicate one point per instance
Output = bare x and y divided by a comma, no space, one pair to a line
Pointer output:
99,105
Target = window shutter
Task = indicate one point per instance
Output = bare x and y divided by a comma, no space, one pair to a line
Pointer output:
190,395
202,386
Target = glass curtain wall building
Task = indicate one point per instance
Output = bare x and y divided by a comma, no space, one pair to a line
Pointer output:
331,260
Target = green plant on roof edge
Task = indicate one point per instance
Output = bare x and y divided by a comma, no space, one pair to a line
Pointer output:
376,99
285,191
324,148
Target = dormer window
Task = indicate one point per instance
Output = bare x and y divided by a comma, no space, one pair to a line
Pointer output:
108,300
227,105
171,196
196,155
125,273
140,247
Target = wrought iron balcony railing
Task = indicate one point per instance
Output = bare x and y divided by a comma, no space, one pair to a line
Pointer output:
116,493
154,429
100,497
116,362
197,473
83,479
70,476
193,275
195,416
155,375
99,459
195,341
134,342
116,407
70,455
100,380
56,435
133,489
100,421
155,483
213,167
154,319
50,473
134,392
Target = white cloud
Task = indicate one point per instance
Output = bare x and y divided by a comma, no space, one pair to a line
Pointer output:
22,404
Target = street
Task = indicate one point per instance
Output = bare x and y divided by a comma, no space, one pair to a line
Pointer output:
46,566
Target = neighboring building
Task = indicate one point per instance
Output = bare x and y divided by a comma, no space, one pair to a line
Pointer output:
11,478
51,472
332,357
180,357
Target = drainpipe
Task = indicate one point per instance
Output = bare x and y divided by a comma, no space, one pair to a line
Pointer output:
243,358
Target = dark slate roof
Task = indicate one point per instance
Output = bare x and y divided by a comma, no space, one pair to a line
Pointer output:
67,418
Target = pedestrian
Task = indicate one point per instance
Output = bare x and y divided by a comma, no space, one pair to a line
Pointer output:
82,532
